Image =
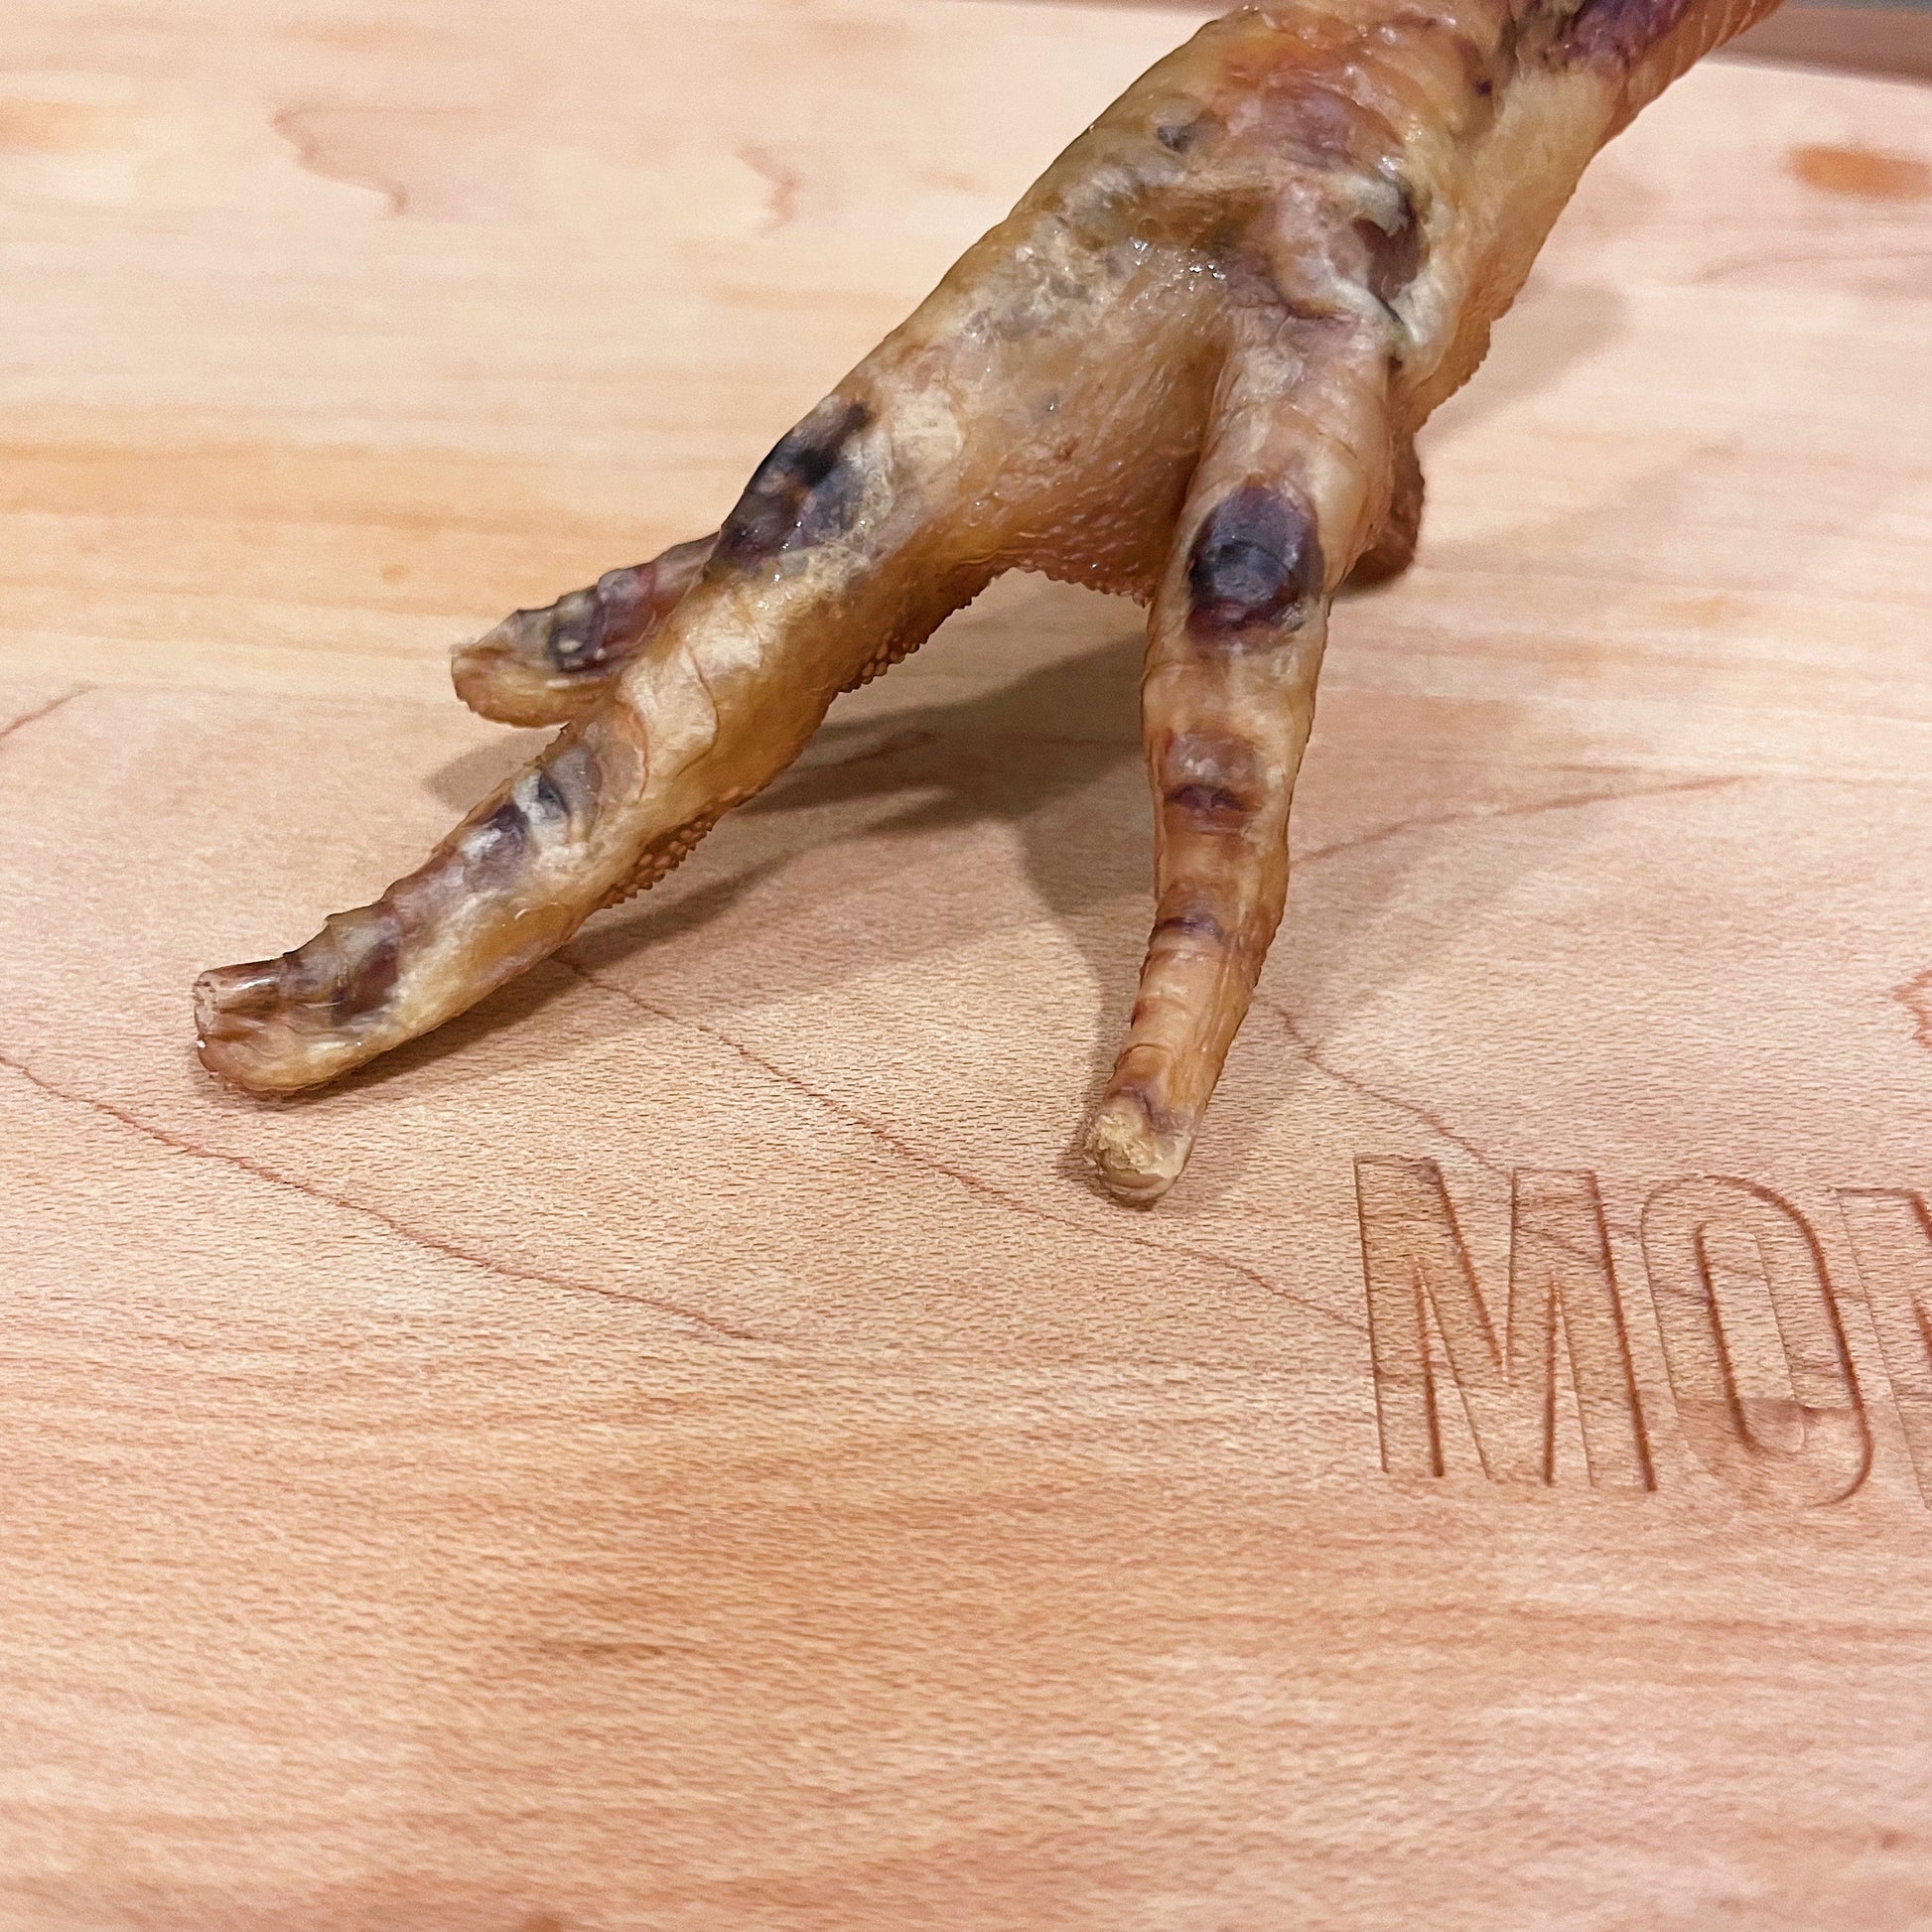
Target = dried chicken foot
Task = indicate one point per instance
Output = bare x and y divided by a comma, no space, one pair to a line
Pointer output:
1189,367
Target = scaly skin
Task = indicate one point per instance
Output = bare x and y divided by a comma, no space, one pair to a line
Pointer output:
1189,367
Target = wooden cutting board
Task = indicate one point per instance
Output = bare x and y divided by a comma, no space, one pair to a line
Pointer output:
685,1448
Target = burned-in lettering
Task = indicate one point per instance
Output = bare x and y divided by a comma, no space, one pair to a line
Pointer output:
1437,1349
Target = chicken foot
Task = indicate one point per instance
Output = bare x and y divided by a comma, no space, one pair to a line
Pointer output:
1190,368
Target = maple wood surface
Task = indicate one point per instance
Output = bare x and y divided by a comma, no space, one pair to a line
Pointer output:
685,1447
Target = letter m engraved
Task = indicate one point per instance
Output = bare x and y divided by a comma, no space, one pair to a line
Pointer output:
1425,1313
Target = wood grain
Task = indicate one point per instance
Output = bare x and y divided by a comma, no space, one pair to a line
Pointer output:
684,1448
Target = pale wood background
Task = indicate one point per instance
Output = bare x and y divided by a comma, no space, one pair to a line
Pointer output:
686,1449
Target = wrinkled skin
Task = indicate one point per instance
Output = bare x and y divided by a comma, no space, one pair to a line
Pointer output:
1189,367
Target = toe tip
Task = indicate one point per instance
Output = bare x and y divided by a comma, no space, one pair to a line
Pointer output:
237,1029
1136,1160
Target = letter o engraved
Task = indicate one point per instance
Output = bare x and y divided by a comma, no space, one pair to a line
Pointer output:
1812,1445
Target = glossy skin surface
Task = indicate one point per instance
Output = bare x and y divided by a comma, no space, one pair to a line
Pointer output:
1189,367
